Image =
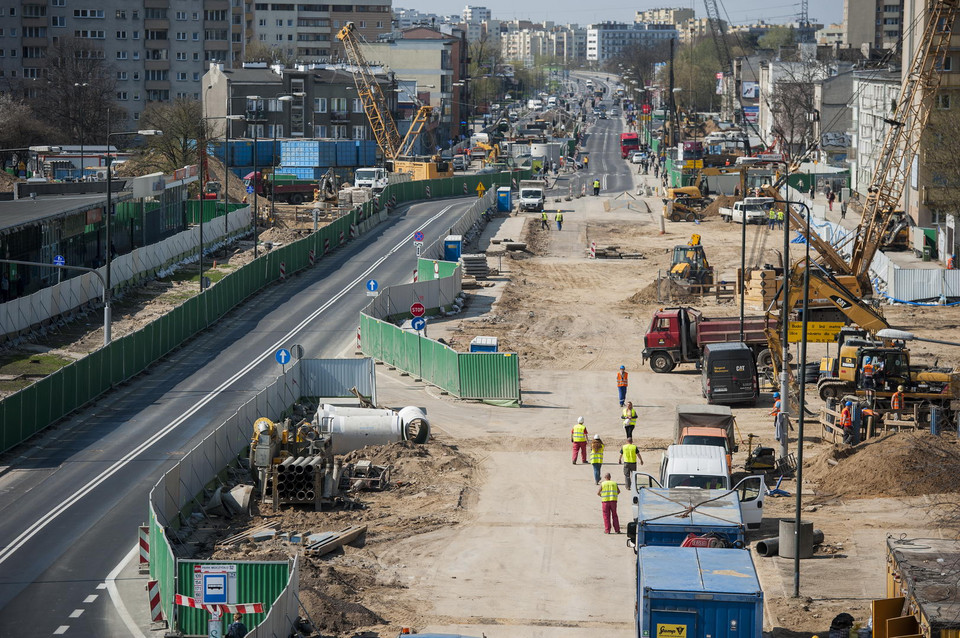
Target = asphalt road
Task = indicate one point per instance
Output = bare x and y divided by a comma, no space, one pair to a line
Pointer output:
70,500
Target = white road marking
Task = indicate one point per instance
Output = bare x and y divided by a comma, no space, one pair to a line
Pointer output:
71,500
62,629
89,599
102,586
111,586
76,613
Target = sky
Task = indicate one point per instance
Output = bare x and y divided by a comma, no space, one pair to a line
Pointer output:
564,11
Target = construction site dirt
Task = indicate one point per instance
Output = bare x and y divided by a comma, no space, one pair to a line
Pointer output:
489,528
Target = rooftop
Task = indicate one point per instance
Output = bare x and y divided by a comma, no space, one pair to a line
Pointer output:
26,212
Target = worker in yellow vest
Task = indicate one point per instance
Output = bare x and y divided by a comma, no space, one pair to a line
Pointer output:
608,492
578,436
559,220
596,456
544,225
771,219
628,459
629,416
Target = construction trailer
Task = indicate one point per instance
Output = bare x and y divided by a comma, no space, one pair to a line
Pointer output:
921,588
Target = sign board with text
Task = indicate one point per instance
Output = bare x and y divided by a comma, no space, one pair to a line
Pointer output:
817,331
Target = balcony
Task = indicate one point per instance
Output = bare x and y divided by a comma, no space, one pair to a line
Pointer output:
339,117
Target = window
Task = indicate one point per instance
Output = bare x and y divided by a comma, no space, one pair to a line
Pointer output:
289,23
943,101
32,73
85,13
379,24
154,14
136,55
155,34
121,55
136,95
363,24
181,15
34,11
196,57
90,34
3,52
358,108
279,37
263,22
320,105
359,132
135,15
59,3
13,11
338,104
340,132
279,23
13,32
136,35
121,14
121,75
196,77
215,16
136,117
181,35
182,95
263,37
121,95
35,32
255,130
196,36
34,52
121,35
182,56
136,76
181,76
319,130
196,15
13,54
276,130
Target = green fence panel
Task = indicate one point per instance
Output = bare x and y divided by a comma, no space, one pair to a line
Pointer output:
493,375
43,415
11,428
370,337
56,396
114,353
411,352
163,565
72,399
256,582
143,347
437,366
28,411
100,365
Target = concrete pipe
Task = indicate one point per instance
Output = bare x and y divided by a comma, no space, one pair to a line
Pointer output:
355,430
301,495
771,546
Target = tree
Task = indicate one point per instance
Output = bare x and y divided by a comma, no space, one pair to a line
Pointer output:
777,37
940,147
695,74
260,52
78,93
182,124
18,127
792,102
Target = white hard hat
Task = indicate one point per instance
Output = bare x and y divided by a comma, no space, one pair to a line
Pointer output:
596,437
580,420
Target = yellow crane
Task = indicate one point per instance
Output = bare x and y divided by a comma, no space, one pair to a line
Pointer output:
395,150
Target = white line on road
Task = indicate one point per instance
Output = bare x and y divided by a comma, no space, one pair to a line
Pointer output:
62,629
76,613
111,585
89,599
68,502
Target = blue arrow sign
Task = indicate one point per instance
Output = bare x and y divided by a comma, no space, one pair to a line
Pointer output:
418,323
249,189
418,236
372,285
59,261
283,356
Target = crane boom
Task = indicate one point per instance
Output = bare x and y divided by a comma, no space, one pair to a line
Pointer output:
371,95
902,140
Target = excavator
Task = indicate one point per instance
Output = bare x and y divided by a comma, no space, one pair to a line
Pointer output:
690,266
396,151
687,202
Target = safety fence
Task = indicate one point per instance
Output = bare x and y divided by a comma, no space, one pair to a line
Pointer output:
32,409
488,376
467,226
182,487
51,303
212,209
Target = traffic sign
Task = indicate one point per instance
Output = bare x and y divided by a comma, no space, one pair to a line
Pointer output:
372,285
283,356
418,236
297,351
646,108
418,323
59,261
249,189
417,309
481,189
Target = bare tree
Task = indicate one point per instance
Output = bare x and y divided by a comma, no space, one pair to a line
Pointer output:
18,126
182,124
940,148
260,52
792,103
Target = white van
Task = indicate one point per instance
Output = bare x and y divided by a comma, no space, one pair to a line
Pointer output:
705,467
551,101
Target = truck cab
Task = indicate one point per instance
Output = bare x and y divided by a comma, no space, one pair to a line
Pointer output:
672,338
750,210
375,178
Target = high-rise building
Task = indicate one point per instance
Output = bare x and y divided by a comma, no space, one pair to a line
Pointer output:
665,16
878,23
607,39
476,15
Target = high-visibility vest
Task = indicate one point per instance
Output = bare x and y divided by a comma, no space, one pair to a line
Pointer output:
622,379
629,452
772,214
543,215
896,401
629,416
559,217
776,406
596,183
596,455
608,491
779,215
868,369
579,433
846,420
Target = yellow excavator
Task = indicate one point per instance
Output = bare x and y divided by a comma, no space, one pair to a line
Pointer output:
686,203
690,267
396,151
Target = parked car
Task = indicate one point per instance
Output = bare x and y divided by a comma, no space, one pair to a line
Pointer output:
637,157
614,112
460,162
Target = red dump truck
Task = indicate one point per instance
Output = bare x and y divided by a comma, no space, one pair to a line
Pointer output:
677,335
282,188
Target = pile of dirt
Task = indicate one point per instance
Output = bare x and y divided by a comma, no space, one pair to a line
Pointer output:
721,201
7,182
669,290
901,464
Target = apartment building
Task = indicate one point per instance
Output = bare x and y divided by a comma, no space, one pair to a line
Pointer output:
567,43
606,40
875,92
665,16
878,23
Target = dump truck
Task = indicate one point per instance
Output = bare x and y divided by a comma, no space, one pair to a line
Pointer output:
282,188
706,425
677,335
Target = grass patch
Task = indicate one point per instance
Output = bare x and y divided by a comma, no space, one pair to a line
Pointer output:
9,387
185,276
32,364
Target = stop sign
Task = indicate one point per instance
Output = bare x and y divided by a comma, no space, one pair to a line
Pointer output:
646,109
417,309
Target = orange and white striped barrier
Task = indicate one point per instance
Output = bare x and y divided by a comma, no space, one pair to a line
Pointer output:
428,192
246,608
341,238
143,535
283,271
326,246
312,257
153,594
358,338
593,250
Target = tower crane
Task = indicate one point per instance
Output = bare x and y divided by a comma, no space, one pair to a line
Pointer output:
396,151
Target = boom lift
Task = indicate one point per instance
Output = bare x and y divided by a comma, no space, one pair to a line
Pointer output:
396,151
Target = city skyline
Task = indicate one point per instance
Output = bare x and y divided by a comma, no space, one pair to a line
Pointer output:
735,11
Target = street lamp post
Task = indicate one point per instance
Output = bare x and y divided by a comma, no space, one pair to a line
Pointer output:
80,86
256,169
107,311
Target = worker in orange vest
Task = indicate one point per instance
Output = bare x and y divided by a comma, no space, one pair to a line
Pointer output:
896,403
846,422
776,404
866,379
952,263
622,384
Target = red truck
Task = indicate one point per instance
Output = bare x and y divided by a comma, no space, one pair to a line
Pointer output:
282,188
629,142
677,335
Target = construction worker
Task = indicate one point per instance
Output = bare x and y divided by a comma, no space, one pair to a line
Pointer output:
629,416
952,262
771,219
596,187
846,422
776,404
896,403
586,161
608,492
628,459
596,456
544,225
559,219
578,436
622,384
780,219
866,378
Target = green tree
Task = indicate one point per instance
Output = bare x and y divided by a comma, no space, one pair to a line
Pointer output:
695,74
776,37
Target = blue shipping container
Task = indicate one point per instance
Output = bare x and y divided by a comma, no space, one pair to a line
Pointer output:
664,516
241,152
689,592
